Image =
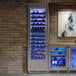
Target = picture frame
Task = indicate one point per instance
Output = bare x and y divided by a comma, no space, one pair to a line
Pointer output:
66,23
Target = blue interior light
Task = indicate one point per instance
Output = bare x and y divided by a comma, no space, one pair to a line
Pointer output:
58,48
73,57
57,52
58,61
37,33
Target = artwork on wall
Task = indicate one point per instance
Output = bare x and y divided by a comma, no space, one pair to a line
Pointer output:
66,24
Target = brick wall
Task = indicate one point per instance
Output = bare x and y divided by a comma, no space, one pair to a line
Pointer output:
13,36
46,1
63,0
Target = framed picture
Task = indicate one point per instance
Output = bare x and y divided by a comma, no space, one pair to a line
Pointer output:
67,24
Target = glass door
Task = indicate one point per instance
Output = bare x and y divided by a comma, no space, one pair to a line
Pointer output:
72,58
38,33
58,57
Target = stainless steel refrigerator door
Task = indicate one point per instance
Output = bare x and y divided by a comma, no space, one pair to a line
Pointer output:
37,65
